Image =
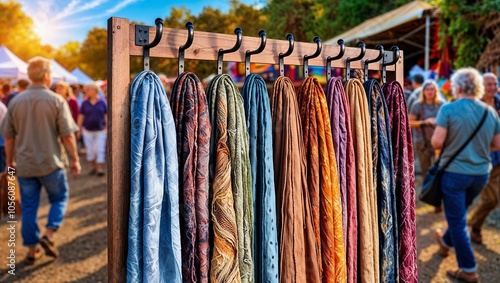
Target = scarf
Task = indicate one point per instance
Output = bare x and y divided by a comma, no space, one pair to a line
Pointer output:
343,144
154,245
190,110
383,175
297,242
322,180
259,125
368,251
230,165
404,176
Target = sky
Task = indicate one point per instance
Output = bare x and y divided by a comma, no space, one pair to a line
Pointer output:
60,21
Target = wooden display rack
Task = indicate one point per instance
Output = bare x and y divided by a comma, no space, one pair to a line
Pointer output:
205,46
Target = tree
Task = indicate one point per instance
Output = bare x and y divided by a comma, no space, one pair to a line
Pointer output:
68,55
93,54
461,20
325,18
17,32
250,19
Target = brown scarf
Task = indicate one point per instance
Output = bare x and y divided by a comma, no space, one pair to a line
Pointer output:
368,251
322,181
297,242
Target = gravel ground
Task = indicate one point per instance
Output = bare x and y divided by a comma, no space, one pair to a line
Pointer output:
82,242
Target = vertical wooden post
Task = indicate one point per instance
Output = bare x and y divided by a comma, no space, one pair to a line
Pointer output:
118,147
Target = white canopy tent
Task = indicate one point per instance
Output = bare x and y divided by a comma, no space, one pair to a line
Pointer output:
81,76
59,73
11,66
407,26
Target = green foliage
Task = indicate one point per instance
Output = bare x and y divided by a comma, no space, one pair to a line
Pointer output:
250,19
458,20
308,18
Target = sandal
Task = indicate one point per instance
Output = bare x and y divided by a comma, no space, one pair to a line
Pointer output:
443,250
49,247
30,260
468,277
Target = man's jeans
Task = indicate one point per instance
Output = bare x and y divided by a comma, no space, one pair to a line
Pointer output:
57,188
459,190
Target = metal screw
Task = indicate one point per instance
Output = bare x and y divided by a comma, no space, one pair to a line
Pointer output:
146,64
118,27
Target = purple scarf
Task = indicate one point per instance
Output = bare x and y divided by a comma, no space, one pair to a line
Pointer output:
343,144
404,176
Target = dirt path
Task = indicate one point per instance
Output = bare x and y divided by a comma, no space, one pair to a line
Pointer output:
82,238
82,241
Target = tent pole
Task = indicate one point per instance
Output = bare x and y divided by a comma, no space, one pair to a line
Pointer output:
427,34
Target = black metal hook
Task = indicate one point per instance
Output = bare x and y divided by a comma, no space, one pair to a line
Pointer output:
380,48
329,59
220,57
395,59
317,40
348,61
263,40
188,43
291,42
142,39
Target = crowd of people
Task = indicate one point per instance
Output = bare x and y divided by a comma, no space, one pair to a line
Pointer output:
39,124
440,128
60,114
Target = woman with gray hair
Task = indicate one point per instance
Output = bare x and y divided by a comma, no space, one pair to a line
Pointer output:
468,174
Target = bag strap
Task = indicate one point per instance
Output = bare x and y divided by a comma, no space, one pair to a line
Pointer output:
467,142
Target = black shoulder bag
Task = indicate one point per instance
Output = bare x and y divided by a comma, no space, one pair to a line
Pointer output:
431,189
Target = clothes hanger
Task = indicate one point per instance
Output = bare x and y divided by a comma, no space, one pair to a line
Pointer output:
348,61
316,39
263,39
380,55
281,56
329,59
395,58
237,45
182,48
142,38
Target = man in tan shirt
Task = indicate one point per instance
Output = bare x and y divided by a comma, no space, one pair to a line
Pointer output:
37,125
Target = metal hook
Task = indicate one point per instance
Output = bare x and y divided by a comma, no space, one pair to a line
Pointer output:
263,40
142,39
220,57
188,43
329,59
281,56
348,61
316,39
380,55
395,59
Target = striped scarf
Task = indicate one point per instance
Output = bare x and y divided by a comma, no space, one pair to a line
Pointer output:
343,144
230,166
404,176
259,124
322,180
297,241
383,175
190,110
368,250
154,245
